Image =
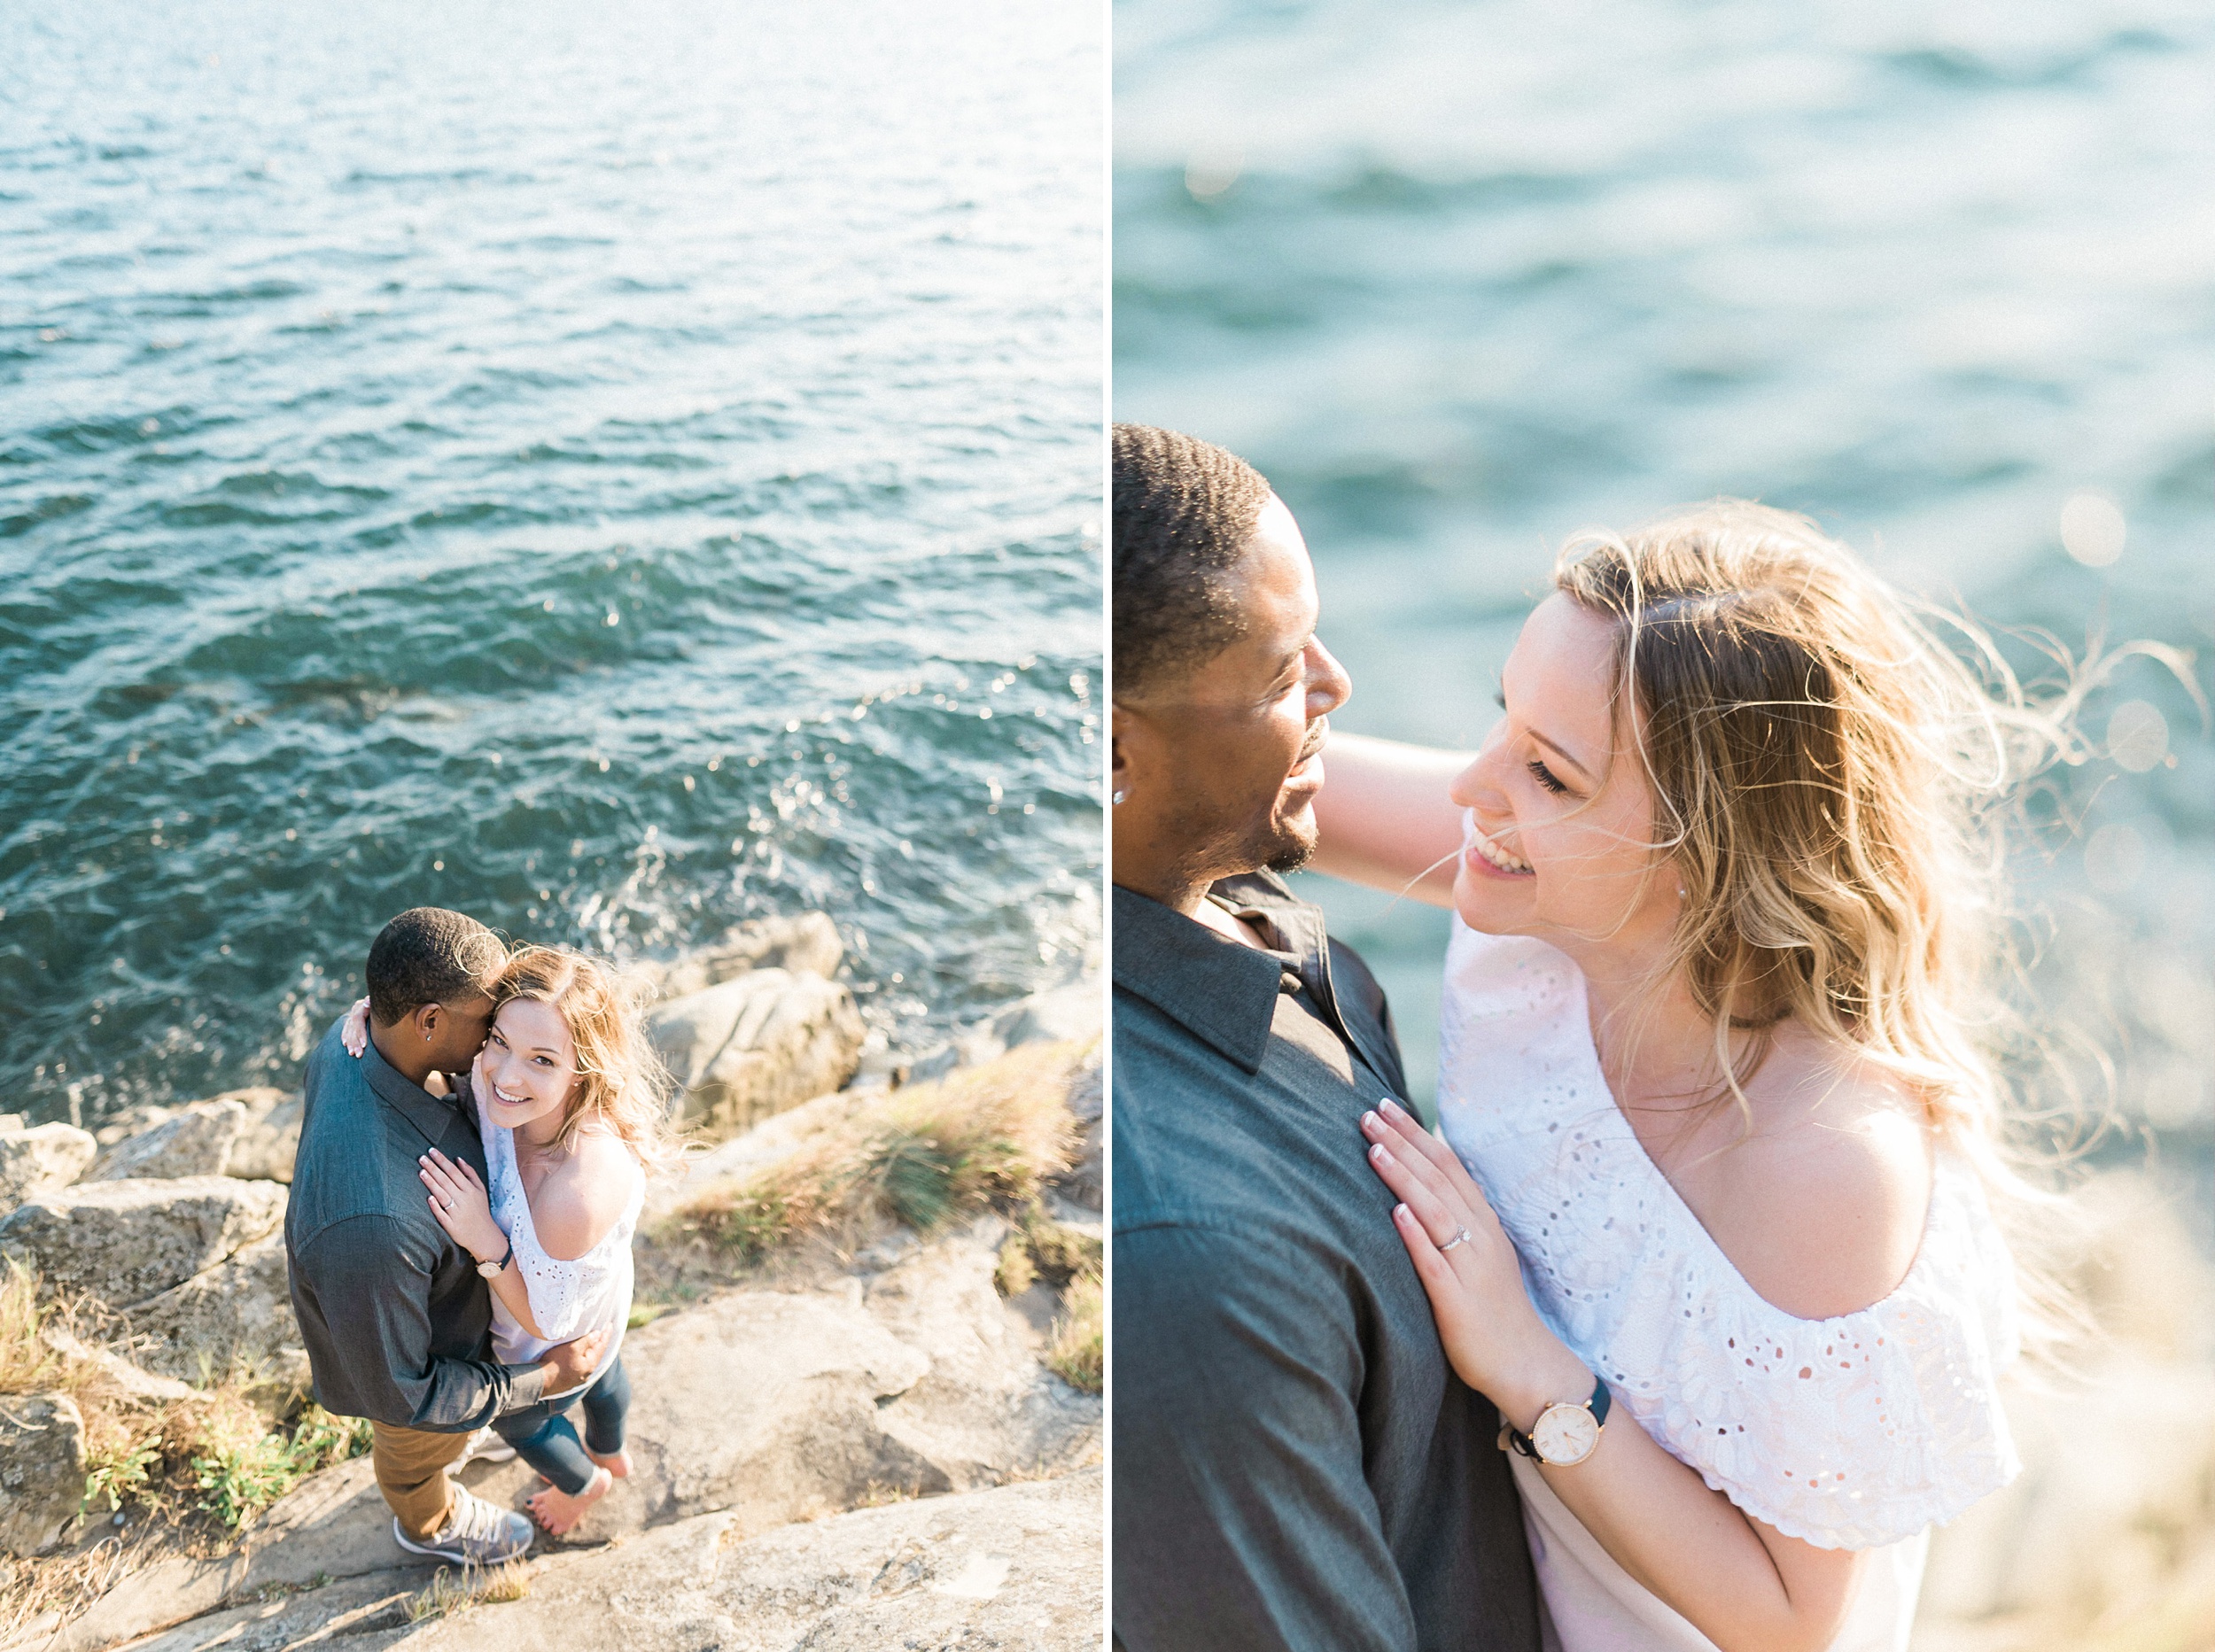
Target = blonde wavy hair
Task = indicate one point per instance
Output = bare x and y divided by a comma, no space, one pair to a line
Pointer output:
622,1084
1833,782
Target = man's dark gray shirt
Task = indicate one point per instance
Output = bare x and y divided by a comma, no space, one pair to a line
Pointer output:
396,1319
1296,1467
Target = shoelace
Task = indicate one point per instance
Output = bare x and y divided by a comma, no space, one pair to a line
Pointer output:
473,1520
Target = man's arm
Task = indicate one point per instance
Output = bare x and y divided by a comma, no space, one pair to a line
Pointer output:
1243,1522
1385,818
375,1298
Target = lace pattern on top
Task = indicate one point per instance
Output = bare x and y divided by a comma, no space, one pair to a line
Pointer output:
1850,1432
564,1294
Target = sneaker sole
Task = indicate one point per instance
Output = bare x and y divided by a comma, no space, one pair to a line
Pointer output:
454,1555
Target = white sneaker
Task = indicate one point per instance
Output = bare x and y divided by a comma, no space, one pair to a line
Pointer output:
485,1446
475,1533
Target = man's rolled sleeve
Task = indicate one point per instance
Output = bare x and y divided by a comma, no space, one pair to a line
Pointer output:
383,1367
1243,1521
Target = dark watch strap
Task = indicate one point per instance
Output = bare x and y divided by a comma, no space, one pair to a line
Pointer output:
506,1256
1511,1437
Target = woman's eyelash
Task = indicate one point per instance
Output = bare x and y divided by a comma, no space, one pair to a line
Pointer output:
1544,775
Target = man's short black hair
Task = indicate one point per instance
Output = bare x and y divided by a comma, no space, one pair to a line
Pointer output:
429,955
1184,512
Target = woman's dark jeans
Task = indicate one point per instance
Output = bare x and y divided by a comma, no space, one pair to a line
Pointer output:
544,1437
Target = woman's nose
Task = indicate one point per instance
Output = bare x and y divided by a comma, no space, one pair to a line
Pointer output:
1477,787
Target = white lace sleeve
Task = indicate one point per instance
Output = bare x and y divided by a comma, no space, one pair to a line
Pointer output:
1846,1433
558,1290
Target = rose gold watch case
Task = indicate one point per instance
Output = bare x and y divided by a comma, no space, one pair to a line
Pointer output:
1566,1434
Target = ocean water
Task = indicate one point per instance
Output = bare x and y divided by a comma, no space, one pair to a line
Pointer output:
614,470
1462,279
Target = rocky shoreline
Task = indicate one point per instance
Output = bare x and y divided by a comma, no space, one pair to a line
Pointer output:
865,1357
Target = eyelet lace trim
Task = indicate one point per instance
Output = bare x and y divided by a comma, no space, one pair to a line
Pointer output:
1851,1433
561,1291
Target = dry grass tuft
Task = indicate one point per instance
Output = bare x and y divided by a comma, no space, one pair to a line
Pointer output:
508,1581
982,1138
1078,1354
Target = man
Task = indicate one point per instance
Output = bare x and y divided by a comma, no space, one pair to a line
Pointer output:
397,1322
1296,1467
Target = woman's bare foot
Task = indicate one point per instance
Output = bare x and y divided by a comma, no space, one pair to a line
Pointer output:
616,1463
559,1511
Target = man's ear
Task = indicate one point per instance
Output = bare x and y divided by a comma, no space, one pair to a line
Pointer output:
1132,742
426,1018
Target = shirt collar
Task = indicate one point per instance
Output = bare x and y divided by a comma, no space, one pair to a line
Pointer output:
432,1117
1223,993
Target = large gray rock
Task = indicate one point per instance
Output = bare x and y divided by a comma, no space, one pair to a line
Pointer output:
768,1406
42,1161
125,1242
806,944
1059,1015
235,1318
986,1408
1017,1568
193,1141
754,1045
271,1136
41,1469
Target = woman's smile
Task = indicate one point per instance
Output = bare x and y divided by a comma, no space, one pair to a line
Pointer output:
1488,858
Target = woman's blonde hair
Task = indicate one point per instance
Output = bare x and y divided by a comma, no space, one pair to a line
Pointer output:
1831,784
622,1084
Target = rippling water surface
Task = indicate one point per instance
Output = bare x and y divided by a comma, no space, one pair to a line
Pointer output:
1464,278
616,470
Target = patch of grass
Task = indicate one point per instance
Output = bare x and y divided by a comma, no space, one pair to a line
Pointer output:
241,1475
1014,1273
1078,1354
508,1581
983,1137
27,1364
1059,1252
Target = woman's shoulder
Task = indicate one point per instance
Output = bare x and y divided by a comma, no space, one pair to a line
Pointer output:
585,1196
1822,1208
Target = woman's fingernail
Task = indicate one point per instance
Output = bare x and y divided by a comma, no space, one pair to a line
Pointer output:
1370,1120
1401,1212
1395,1108
1380,1155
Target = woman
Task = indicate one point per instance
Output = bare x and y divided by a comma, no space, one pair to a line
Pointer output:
1721,1136
566,1097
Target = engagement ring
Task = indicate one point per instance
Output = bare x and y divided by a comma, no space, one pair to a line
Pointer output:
1461,1237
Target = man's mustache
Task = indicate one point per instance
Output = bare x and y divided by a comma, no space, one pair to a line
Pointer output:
1319,733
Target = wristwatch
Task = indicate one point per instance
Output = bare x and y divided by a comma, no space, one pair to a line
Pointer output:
1566,1434
491,1270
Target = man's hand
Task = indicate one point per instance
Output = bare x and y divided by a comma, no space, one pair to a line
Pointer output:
569,1363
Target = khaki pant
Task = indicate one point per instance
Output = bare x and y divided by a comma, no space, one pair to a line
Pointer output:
411,1465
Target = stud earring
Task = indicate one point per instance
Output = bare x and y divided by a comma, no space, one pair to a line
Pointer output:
1118,797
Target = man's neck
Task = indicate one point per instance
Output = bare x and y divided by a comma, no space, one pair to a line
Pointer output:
392,1043
1228,924
1192,901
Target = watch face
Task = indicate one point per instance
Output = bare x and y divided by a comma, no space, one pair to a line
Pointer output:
1565,1434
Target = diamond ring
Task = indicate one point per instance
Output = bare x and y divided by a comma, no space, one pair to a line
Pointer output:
1461,1237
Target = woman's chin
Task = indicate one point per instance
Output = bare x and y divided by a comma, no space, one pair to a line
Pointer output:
1492,905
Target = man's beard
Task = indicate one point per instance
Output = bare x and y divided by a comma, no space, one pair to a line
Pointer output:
1219,851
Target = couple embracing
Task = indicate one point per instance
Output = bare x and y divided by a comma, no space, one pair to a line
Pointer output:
1685,1327
471,1167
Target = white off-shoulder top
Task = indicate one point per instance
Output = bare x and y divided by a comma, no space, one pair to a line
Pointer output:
567,1298
1856,1433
